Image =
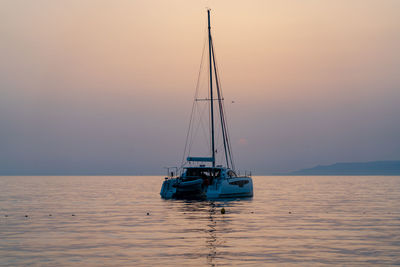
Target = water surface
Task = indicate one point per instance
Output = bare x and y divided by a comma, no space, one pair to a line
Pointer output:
292,220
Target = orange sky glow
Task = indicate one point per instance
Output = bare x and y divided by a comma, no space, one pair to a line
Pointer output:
111,82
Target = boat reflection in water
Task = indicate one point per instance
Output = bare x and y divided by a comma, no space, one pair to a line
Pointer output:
204,221
212,240
206,213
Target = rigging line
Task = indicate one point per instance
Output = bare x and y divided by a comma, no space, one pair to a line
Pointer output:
221,112
218,136
229,142
229,145
224,118
227,132
227,136
191,134
195,96
218,131
202,124
226,126
198,121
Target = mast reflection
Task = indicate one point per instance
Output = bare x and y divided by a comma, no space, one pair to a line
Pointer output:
205,217
211,239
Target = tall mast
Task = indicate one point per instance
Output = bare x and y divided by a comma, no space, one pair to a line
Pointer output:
211,91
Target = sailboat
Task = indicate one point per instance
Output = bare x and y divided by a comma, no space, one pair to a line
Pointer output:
201,177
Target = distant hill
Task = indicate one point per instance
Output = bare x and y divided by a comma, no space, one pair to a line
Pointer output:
354,168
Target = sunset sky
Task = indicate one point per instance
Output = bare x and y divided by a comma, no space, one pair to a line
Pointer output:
107,86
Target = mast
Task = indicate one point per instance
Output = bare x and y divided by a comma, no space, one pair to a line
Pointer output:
211,91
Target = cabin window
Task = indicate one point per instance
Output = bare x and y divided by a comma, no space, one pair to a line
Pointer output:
231,173
202,172
239,183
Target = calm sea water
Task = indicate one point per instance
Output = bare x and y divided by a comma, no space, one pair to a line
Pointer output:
302,221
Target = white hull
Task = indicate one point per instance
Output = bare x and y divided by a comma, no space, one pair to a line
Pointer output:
221,188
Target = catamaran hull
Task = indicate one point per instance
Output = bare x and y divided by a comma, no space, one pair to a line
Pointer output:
226,188
190,190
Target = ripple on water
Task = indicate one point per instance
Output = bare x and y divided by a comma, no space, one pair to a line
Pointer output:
123,221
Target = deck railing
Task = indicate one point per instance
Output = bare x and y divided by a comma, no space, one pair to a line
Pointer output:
244,173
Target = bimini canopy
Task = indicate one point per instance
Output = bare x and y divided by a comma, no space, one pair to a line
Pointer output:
200,159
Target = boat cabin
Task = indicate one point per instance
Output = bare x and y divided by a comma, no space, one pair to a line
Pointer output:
208,172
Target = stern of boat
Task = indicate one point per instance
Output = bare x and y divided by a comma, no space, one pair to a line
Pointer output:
168,188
